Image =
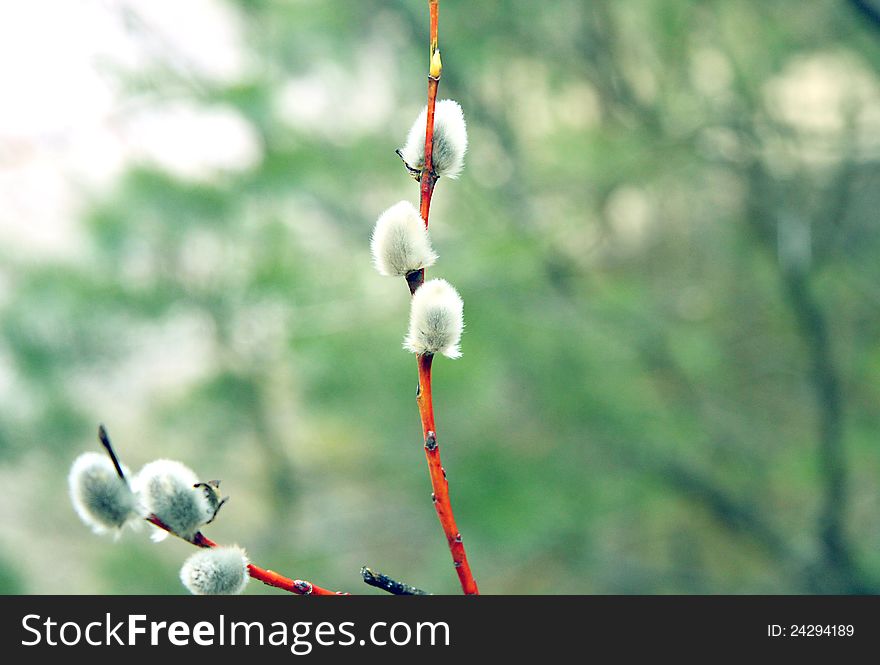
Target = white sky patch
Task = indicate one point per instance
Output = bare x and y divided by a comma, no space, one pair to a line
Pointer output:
203,36
35,214
192,142
48,80
67,132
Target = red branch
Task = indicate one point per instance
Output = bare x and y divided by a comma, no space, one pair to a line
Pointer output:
439,484
268,577
428,178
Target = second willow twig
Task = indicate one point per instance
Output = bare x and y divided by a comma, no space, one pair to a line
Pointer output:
267,577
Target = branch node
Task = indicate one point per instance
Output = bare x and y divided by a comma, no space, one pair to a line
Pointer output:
431,441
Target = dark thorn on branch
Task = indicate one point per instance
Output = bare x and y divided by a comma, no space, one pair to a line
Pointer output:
392,586
105,441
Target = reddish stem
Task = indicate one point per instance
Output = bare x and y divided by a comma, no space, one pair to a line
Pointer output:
439,484
268,577
428,178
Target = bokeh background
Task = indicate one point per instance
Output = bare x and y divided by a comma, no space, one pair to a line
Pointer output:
666,237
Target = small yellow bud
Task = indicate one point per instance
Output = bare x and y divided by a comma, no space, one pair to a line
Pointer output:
436,65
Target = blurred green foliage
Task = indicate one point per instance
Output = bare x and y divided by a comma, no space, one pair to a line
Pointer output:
667,244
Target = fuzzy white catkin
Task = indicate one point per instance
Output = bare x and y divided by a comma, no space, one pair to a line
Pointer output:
218,571
450,140
167,490
436,320
400,243
102,499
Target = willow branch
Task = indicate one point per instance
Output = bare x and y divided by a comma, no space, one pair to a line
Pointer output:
435,69
392,586
428,177
439,484
267,577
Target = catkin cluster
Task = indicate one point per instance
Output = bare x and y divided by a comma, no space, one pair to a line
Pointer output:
401,246
107,501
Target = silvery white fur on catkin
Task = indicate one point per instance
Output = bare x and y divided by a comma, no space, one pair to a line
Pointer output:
400,243
436,320
102,499
166,489
450,140
216,571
